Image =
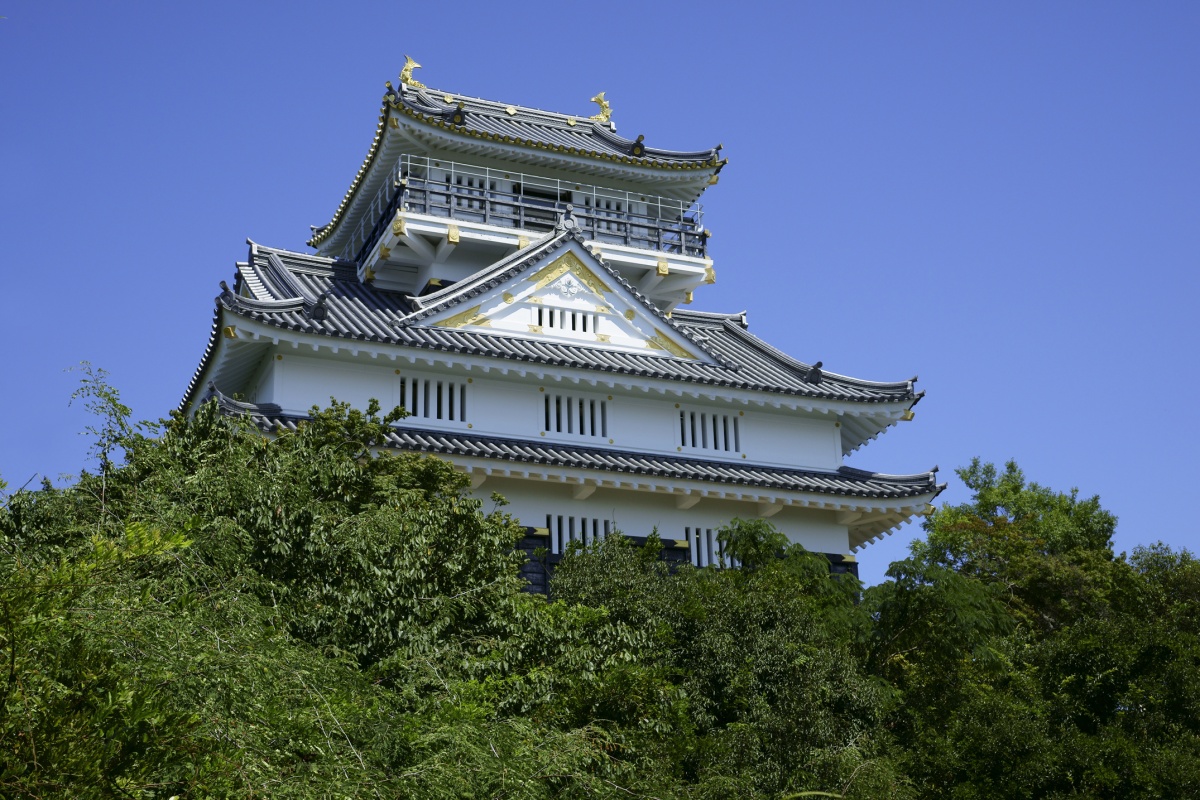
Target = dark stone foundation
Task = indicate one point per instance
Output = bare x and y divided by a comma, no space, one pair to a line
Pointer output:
537,570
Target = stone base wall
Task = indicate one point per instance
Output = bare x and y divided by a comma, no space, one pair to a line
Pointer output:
539,566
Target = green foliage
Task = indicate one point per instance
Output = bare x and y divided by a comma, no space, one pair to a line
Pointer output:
103,402
232,614
221,613
748,685
1029,661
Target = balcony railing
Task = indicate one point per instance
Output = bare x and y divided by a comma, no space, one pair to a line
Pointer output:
528,202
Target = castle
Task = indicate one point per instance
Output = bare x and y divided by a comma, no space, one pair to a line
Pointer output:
517,280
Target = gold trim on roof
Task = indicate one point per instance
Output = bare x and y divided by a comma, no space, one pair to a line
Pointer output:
385,119
469,317
569,262
660,341
406,76
437,122
605,114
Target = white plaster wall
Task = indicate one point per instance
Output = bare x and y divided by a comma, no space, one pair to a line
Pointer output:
638,513
784,439
504,408
300,382
263,390
513,407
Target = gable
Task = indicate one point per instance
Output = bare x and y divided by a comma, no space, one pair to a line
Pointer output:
571,298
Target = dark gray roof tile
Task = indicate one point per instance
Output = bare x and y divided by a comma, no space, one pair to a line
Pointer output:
360,311
845,481
544,127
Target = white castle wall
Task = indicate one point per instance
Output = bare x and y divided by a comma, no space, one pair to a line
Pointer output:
638,513
514,407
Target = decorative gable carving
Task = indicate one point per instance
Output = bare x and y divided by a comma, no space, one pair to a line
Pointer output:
471,317
578,276
571,300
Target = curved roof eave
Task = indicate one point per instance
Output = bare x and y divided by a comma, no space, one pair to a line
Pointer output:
738,330
359,312
247,311
867,534
496,274
650,159
210,351
853,484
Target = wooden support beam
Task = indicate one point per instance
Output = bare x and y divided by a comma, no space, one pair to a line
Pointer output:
648,283
419,246
445,248
769,509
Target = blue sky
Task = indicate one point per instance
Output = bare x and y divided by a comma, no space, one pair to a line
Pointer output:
1001,198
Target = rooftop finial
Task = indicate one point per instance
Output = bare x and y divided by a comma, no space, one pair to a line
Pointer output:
567,221
406,74
227,294
605,114
319,310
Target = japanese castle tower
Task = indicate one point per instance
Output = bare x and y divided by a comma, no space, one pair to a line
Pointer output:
518,280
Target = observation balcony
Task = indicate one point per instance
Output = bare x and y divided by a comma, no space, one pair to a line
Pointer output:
507,199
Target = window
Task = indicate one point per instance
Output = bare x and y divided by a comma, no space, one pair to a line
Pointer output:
434,398
706,430
547,195
469,190
577,416
608,212
706,550
564,319
567,529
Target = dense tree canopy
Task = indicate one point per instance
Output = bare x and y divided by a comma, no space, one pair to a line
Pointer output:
216,613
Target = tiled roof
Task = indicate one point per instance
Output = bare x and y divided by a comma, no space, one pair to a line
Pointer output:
508,268
542,129
357,311
530,128
845,481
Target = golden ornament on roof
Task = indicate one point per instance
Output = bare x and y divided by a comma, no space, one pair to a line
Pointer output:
406,76
605,114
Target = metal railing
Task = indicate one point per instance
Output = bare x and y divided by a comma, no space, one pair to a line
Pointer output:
528,202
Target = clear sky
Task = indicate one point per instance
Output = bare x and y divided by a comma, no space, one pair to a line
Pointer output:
1003,198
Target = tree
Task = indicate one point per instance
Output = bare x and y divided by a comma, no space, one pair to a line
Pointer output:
221,611
310,618
1023,651
748,683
